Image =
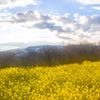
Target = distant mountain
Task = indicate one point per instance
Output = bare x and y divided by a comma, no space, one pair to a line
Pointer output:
26,50
35,48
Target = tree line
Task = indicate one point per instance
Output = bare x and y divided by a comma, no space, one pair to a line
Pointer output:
52,55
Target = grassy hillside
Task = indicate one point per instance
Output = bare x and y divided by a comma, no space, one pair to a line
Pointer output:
67,82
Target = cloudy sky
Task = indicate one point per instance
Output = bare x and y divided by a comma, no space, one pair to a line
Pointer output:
44,22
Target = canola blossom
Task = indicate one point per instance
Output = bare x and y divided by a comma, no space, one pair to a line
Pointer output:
63,82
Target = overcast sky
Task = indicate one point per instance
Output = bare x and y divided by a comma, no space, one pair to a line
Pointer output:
39,22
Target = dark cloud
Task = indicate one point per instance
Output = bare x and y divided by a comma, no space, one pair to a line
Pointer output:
53,27
63,37
95,20
28,16
50,26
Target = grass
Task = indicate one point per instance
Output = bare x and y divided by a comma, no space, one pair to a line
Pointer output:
65,82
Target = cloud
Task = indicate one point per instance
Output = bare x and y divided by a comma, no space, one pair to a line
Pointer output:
77,28
28,16
50,26
16,3
82,8
42,21
88,23
96,7
86,2
55,22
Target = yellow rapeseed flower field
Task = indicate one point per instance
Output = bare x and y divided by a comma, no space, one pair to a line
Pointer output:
65,82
